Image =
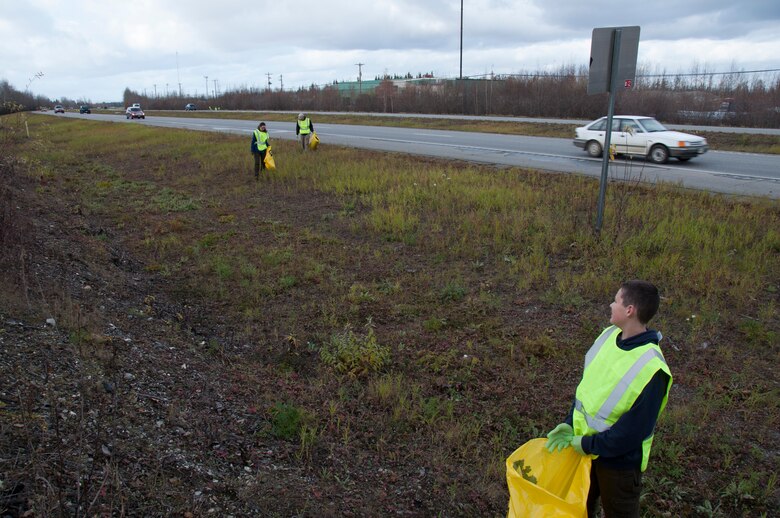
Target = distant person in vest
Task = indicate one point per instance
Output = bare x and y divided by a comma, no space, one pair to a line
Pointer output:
624,388
259,147
304,127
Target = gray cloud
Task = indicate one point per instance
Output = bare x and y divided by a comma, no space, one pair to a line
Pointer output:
96,49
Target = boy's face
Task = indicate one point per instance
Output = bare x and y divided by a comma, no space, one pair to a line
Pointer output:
620,312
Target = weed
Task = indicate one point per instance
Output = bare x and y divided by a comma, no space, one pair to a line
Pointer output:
170,201
308,436
387,389
756,334
287,281
453,291
434,409
359,293
277,257
222,267
708,510
287,421
355,354
434,324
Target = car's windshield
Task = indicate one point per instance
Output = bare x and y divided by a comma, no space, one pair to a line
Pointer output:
652,125
135,109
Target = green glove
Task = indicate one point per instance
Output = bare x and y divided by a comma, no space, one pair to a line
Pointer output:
559,438
576,443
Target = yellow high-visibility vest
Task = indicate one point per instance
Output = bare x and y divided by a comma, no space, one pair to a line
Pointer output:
262,139
305,126
612,381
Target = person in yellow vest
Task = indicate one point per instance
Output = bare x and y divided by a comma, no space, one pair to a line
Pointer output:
259,147
304,127
624,388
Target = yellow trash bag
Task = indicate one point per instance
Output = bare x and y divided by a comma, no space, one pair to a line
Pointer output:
314,141
544,485
269,161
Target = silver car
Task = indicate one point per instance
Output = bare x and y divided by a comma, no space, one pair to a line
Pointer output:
635,135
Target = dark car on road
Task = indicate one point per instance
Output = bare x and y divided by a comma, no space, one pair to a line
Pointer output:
134,113
84,109
190,107
59,109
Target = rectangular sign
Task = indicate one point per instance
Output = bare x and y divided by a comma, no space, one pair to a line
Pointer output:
599,77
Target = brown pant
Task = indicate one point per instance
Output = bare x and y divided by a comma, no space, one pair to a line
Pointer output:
305,140
618,491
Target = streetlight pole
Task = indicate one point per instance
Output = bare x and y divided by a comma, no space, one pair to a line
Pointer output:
207,86
461,40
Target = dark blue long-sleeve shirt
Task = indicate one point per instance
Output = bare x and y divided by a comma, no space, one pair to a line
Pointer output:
620,447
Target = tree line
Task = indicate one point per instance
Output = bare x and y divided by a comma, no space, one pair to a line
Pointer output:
700,97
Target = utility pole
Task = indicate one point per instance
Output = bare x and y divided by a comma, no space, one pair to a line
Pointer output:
155,90
269,80
215,88
360,77
166,89
178,77
281,83
207,86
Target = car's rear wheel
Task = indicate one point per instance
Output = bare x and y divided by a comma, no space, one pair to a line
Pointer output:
593,148
659,154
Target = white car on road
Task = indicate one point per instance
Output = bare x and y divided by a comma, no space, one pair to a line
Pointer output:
639,136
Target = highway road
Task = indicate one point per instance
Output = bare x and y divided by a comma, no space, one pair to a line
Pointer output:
726,172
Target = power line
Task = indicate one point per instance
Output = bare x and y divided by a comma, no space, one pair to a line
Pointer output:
693,74
669,74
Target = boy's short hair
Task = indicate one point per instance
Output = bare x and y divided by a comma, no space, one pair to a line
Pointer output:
644,296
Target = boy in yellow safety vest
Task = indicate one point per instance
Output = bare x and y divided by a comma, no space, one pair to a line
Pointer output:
624,388
259,147
304,128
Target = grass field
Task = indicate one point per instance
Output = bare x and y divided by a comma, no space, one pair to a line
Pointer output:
397,326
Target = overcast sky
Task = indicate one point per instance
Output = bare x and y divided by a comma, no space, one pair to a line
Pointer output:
94,49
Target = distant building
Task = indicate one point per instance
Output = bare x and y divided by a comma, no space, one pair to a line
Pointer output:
352,88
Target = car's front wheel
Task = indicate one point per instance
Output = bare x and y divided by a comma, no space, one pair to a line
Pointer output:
593,148
659,154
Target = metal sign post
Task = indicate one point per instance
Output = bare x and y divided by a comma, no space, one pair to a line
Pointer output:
605,153
613,59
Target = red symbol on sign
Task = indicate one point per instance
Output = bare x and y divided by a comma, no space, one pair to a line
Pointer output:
628,83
